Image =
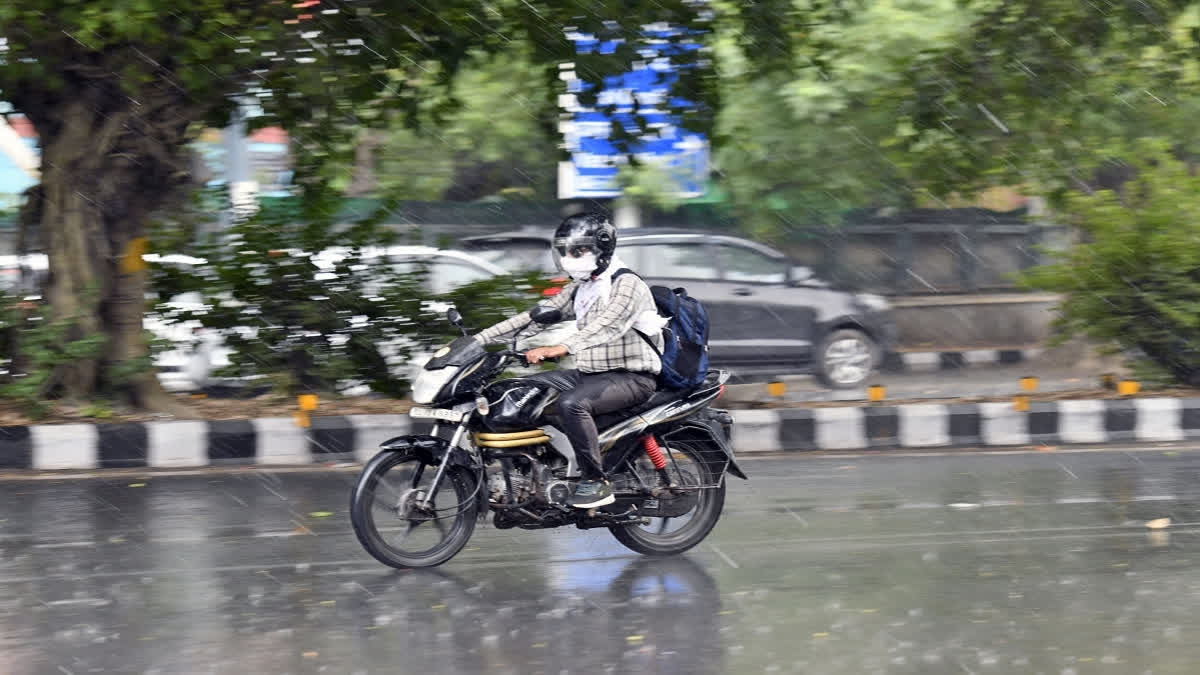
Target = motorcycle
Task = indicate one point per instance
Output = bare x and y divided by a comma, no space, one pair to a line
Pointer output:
666,459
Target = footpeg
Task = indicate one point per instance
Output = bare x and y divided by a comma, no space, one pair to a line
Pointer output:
600,519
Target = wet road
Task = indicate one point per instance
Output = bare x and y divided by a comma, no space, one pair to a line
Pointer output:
961,563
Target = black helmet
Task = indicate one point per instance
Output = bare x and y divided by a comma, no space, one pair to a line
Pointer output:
585,233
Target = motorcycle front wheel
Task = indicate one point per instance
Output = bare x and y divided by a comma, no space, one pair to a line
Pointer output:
397,521
670,536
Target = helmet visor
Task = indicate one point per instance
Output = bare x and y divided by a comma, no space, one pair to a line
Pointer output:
572,247
575,247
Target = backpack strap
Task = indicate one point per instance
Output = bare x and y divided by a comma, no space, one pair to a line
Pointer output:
649,342
617,274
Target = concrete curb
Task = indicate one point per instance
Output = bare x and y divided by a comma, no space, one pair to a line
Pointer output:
916,362
356,438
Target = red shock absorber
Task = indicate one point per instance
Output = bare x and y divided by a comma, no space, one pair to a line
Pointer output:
650,445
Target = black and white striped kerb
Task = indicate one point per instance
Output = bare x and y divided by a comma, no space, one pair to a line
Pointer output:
966,425
909,362
279,441
267,441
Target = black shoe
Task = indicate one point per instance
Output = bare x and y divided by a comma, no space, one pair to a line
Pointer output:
592,493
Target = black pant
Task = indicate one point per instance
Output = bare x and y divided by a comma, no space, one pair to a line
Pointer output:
585,395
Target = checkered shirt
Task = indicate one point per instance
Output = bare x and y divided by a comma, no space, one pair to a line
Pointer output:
606,339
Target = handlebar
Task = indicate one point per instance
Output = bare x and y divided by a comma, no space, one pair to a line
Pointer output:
520,356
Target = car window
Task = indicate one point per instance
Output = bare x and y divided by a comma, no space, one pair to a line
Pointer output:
673,261
746,264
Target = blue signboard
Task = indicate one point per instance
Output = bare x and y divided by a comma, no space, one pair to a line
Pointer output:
595,159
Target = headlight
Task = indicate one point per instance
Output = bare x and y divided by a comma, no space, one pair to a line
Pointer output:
875,303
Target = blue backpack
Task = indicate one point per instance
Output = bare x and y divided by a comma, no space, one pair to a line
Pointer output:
684,354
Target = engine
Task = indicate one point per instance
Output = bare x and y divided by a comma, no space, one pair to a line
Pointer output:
532,483
498,490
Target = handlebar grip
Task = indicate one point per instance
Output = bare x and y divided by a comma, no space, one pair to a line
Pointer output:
521,357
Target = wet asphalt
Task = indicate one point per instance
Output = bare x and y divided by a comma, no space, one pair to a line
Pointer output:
951,563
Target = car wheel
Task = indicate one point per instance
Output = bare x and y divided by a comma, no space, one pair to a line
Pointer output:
846,359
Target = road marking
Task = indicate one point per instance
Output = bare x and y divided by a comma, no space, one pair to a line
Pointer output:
74,602
67,544
729,561
1069,472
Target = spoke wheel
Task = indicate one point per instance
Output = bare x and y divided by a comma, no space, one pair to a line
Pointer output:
398,522
670,536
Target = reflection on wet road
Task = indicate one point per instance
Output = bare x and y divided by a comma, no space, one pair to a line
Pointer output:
1022,563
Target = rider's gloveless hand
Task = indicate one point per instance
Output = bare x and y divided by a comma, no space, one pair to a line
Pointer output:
540,354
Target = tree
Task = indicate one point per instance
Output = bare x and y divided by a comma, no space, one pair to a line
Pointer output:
501,137
804,125
116,91
888,102
1134,285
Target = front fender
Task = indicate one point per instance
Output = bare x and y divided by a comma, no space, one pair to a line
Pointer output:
430,450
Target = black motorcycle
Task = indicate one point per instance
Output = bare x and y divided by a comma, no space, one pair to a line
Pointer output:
416,502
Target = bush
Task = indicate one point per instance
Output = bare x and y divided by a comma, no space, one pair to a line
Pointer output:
310,327
34,347
1134,284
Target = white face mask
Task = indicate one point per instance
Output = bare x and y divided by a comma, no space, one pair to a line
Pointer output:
580,268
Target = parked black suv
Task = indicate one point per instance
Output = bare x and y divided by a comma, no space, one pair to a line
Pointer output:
768,315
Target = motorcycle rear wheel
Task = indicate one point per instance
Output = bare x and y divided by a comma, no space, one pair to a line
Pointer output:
653,539
383,531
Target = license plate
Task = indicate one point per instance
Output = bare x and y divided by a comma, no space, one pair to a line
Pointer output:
437,414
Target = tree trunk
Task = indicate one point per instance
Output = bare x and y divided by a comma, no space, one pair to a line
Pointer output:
363,180
109,161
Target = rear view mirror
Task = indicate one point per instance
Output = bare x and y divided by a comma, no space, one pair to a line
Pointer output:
800,274
455,319
545,315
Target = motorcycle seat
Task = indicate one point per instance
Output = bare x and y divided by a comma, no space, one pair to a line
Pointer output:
660,397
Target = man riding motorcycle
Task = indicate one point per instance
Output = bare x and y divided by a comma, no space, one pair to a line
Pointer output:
616,368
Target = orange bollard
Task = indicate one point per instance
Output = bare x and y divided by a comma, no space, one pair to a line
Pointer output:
1128,387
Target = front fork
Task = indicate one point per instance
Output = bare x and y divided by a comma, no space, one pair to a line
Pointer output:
441,470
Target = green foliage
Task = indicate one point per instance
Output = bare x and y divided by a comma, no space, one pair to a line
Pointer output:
501,137
1134,284
97,410
893,103
36,347
125,85
310,326
483,303
266,295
